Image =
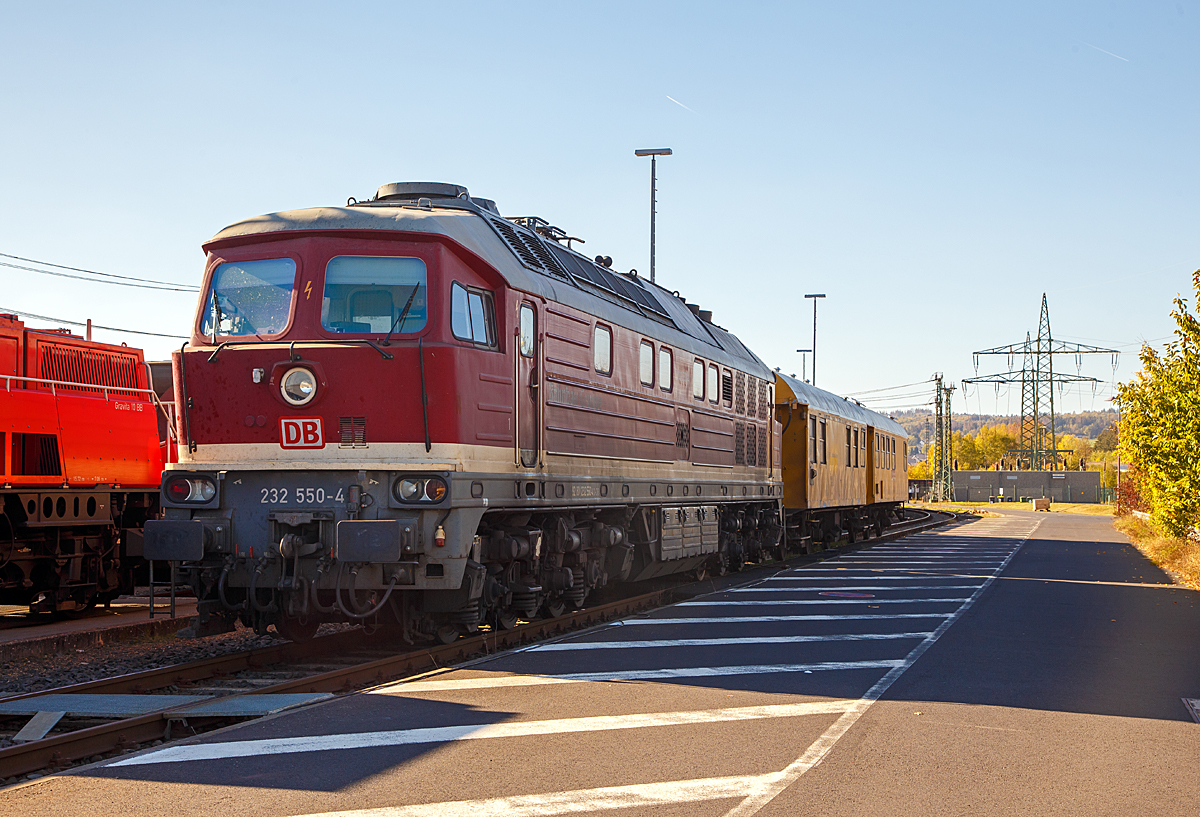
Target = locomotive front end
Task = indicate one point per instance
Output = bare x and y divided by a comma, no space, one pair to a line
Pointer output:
310,487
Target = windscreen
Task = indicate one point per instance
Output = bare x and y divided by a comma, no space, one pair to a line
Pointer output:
374,295
250,298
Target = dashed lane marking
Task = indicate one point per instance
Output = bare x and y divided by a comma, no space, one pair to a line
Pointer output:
568,646
856,587
479,731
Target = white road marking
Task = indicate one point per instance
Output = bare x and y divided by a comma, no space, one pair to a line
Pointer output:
790,602
822,746
854,588
641,622
477,731
579,801
567,646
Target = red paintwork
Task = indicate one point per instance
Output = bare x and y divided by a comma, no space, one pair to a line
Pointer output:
101,438
465,384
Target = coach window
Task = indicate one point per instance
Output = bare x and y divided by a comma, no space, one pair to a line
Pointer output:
698,379
471,316
849,458
812,438
714,393
862,444
666,369
602,354
824,446
646,363
250,298
727,388
855,448
526,330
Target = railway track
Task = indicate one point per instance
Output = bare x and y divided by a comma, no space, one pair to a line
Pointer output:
248,684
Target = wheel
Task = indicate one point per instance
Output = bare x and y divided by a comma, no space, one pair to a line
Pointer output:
506,619
293,630
553,608
447,634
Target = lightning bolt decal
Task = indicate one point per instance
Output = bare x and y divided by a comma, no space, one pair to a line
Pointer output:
308,290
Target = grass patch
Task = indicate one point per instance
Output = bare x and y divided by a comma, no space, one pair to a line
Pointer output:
1179,557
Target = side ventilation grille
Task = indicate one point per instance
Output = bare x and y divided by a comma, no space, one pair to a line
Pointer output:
762,448
764,401
751,446
71,365
739,394
739,443
353,432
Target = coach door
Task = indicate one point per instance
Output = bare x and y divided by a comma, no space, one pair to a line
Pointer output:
870,463
529,387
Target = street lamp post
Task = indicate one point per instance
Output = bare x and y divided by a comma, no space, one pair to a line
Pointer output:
803,362
653,153
814,345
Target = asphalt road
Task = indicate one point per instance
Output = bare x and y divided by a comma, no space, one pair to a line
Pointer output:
1029,664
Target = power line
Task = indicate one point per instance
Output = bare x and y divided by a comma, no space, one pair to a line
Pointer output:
889,388
94,281
94,325
180,287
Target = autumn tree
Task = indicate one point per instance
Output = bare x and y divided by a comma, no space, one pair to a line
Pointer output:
1160,424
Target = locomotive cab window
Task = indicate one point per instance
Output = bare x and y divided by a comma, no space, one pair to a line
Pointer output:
698,379
472,315
666,369
646,363
250,298
602,349
374,295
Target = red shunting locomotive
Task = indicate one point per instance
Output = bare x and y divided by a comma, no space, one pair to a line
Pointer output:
82,460
414,411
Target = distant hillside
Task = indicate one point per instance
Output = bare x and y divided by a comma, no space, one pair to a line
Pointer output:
919,424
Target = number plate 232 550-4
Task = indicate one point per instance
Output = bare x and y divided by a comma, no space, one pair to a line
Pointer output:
300,496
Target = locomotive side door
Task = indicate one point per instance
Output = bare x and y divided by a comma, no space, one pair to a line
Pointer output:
528,386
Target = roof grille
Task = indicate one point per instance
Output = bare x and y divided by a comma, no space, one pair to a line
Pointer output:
530,249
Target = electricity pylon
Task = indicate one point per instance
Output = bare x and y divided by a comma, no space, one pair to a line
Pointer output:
943,488
1039,439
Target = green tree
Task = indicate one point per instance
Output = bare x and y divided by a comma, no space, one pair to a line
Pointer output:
1160,424
1107,441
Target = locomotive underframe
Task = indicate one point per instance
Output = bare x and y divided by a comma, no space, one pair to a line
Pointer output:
70,549
497,548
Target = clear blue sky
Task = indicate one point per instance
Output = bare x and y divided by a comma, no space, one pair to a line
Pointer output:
932,167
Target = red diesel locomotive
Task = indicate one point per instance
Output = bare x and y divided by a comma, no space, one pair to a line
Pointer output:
414,409
82,462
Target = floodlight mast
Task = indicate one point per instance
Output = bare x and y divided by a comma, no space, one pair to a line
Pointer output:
653,153
814,346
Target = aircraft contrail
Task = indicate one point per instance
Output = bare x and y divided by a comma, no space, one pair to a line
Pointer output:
1089,45
680,104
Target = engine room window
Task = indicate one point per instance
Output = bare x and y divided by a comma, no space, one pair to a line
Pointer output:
646,363
666,369
527,330
714,394
374,295
250,298
602,349
698,379
472,316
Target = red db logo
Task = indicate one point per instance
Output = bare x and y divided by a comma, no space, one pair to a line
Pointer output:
301,432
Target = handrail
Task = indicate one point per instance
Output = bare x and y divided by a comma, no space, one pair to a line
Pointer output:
8,378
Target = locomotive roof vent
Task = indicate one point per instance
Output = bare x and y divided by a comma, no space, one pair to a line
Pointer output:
431,192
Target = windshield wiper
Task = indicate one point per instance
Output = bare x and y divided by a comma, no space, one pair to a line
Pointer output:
403,314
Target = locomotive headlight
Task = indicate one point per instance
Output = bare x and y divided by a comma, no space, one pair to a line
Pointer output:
299,386
193,489
408,490
435,489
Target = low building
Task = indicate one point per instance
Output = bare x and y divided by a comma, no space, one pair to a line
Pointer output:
1018,486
